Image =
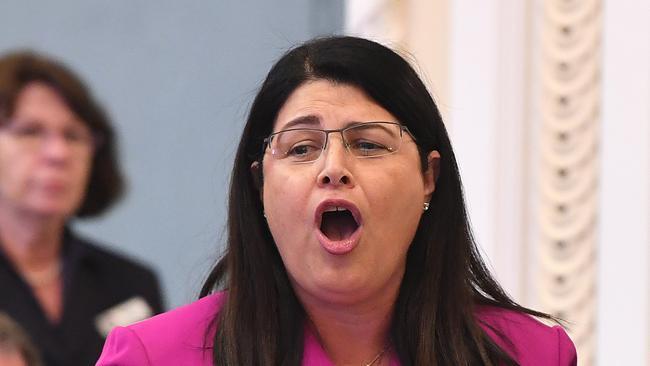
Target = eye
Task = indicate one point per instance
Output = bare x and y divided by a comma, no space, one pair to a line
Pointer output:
27,130
368,148
75,136
304,150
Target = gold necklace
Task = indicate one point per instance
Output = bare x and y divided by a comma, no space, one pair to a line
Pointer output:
320,339
377,358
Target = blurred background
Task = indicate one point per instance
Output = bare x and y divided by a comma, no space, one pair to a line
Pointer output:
547,103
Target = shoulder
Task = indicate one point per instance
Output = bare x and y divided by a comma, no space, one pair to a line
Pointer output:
525,338
118,276
179,337
183,322
108,259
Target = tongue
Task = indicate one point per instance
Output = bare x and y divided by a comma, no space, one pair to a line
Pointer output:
338,226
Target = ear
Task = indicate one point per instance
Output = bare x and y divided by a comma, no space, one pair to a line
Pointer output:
257,175
430,176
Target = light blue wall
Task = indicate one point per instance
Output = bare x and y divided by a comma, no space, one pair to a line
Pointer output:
177,77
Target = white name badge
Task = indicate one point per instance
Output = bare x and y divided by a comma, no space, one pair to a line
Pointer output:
123,314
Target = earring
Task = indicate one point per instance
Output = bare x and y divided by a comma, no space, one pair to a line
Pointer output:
425,206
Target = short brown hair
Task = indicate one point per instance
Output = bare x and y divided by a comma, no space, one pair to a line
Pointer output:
17,69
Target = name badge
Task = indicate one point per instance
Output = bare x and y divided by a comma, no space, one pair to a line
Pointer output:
123,314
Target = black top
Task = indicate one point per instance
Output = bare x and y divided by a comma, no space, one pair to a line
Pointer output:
94,280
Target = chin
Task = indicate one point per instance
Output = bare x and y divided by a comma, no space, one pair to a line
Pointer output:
342,288
52,210
55,214
344,296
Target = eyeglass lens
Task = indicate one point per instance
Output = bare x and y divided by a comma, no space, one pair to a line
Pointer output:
362,140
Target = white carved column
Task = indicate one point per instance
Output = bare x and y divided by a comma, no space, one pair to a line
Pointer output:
569,105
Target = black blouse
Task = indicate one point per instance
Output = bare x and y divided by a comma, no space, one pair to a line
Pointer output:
94,281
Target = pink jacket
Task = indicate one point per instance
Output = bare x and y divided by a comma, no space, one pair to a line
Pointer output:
178,338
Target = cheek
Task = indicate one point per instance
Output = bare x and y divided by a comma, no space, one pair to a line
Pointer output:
85,168
396,189
79,173
396,200
14,173
285,201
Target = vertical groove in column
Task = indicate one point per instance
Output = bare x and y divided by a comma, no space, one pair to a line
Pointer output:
570,72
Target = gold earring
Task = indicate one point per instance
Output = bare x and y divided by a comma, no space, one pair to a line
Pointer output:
426,206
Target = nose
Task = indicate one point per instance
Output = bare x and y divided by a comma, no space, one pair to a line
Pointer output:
56,149
335,165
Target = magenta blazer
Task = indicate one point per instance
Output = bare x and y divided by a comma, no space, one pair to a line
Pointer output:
184,336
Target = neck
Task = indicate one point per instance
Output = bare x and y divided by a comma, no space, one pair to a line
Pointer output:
30,241
353,334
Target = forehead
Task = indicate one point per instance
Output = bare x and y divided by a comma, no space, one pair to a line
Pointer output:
42,103
326,104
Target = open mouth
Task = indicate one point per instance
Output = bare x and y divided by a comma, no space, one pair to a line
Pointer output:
338,223
339,226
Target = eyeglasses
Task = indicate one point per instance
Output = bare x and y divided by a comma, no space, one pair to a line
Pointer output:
33,135
363,140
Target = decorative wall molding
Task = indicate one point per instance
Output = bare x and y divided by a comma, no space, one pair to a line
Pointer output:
569,102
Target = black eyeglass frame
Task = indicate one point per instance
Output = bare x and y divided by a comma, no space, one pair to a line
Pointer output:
269,138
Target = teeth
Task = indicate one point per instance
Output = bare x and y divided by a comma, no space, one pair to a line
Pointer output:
335,209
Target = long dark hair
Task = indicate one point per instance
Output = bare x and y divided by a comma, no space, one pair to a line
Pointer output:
261,322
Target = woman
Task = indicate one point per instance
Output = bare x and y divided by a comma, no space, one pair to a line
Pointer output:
57,162
348,238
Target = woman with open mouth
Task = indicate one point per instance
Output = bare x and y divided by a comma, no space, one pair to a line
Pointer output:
348,237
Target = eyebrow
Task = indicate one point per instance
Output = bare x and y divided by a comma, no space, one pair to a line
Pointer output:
310,120
68,123
313,120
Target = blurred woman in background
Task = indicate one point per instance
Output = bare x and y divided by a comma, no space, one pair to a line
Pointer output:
58,162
